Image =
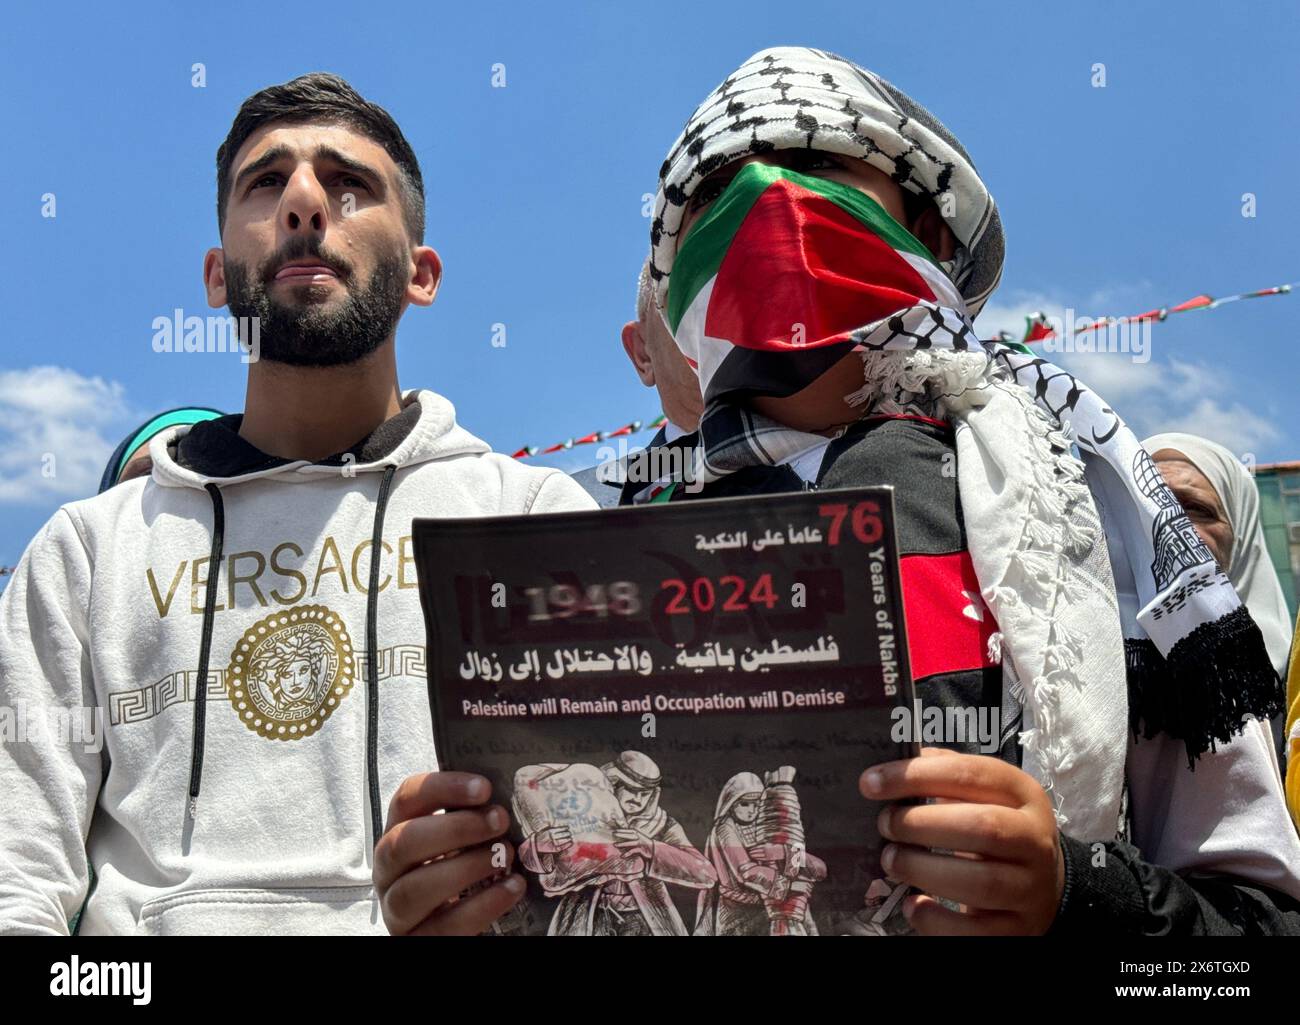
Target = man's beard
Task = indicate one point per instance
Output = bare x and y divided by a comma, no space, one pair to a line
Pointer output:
312,334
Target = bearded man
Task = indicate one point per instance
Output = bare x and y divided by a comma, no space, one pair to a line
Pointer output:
159,600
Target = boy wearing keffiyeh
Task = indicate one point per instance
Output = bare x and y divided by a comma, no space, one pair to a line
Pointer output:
820,247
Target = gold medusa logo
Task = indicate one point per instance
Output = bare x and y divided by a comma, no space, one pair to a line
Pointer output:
289,672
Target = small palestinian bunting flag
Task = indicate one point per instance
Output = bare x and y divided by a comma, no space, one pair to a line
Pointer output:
787,273
1037,328
1199,302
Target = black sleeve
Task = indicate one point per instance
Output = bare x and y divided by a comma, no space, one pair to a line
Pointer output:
1110,890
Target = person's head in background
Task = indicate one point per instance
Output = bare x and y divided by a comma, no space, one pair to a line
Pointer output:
131,457
1201,497
658,361
1222,502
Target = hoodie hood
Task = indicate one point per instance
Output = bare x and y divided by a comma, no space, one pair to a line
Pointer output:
214,453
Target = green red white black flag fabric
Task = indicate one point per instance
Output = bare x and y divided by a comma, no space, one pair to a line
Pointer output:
778,241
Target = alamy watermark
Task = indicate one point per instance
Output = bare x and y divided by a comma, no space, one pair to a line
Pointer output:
24,723
77,978
946,724
211,333
660,464
1072,333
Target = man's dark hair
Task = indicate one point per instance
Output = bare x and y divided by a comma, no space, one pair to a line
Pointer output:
326,99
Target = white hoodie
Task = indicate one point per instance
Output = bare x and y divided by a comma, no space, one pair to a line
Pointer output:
104,621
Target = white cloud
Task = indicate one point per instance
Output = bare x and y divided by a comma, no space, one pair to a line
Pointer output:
1230,424
1169,394
56,433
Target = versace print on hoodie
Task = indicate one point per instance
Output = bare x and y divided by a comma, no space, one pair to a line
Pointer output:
250,802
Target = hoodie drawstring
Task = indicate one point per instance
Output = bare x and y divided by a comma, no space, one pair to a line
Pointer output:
372,651
372,657
205,646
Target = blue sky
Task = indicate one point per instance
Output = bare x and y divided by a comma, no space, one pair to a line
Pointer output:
1115,199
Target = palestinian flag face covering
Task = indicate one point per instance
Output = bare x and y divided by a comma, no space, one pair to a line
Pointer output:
787,273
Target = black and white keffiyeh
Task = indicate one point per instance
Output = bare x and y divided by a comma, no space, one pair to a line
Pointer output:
1112,613
797,97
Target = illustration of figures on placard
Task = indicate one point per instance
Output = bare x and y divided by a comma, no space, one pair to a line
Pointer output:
598,840
765,873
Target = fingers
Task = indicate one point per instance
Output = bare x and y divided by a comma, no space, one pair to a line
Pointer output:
991,830
1005,863
979,779
415,841
428,792
930,918
422,892
475,913
985,885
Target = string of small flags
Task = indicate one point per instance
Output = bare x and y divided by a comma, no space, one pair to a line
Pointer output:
590,439
1037,327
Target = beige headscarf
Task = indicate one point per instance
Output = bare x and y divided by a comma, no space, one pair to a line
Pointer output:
1249,567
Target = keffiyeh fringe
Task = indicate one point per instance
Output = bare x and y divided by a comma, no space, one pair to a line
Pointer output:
1059,530
1197,666
1196,695
1214,679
